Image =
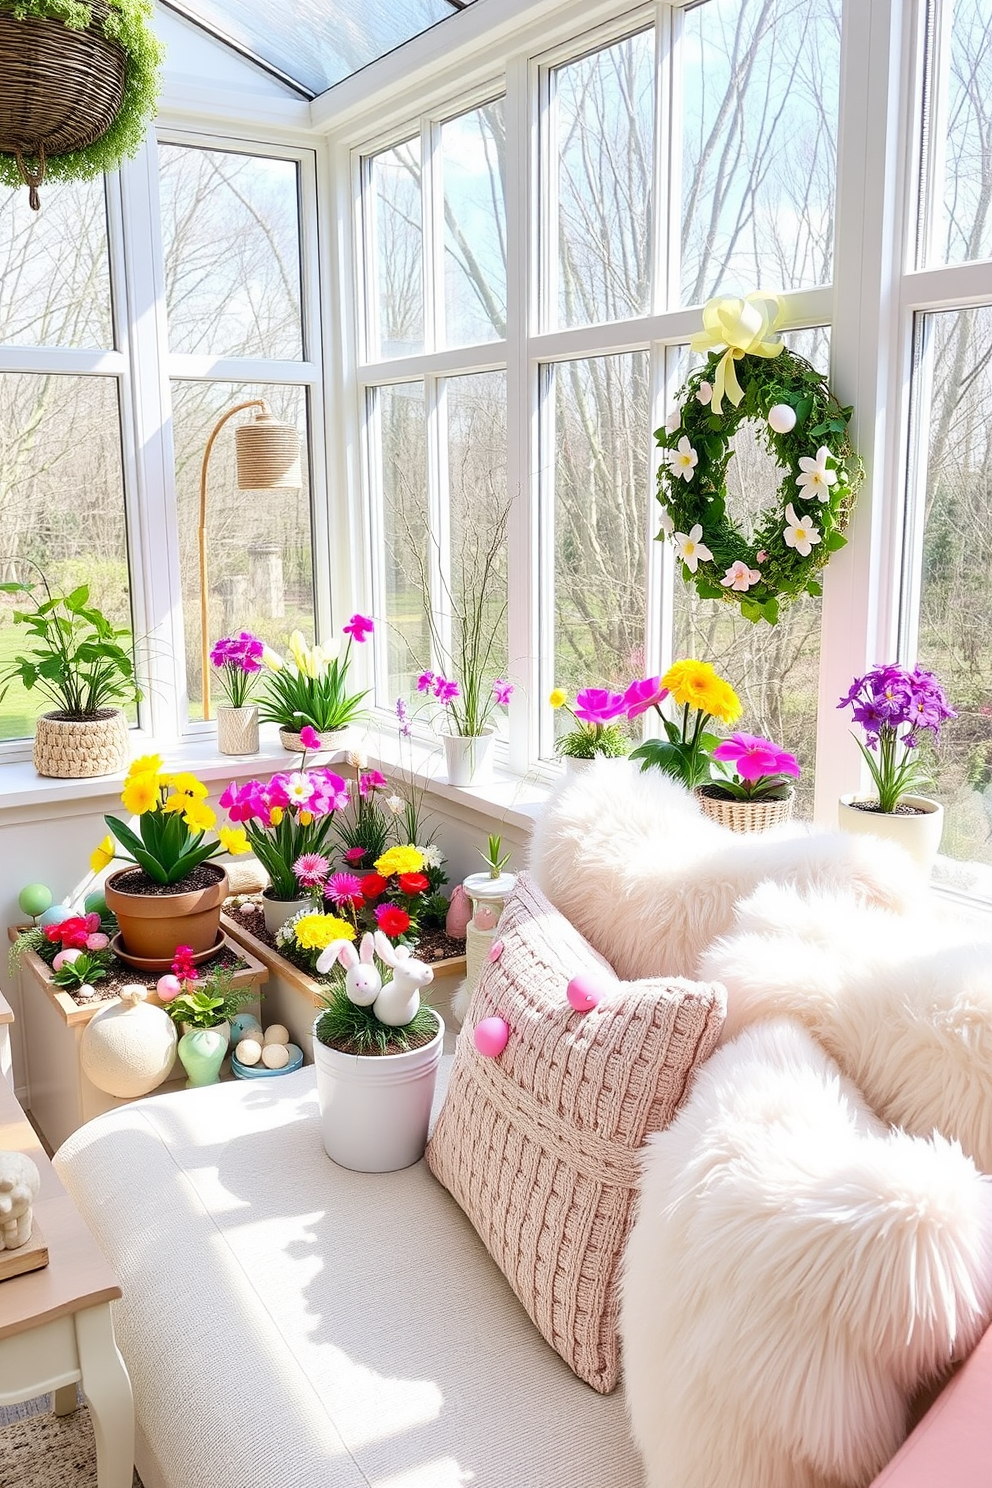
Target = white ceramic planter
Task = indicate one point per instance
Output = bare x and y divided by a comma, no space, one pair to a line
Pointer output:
375,1110
469,757
237,729
918,834
278,911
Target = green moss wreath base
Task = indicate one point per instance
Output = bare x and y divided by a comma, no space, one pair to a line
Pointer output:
783,572
129,23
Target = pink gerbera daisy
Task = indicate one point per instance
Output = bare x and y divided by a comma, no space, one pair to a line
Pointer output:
343,889
311,870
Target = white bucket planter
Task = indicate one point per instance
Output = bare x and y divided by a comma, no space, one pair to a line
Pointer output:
375,1110
469,757
918,833
237,730
278,911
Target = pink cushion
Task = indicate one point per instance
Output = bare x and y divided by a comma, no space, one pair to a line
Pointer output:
540,1144
952,1446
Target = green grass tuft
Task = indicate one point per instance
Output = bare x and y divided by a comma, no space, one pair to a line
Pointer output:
356,1030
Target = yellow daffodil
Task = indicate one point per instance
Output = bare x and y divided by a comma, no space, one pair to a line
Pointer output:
234,840
406,859
314,932
177,802
188,785
148,764
102,855
200,817
558,698
301,656
140,793
275,816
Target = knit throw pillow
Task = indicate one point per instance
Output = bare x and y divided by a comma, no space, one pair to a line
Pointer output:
539,1145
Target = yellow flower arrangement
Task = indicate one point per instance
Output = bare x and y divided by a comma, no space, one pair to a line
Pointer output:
314,932
173,818
407,859
696,684
234,840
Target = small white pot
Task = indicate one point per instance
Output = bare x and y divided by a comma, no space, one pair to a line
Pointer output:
375,1110
278,911
919,834
237,729
469,757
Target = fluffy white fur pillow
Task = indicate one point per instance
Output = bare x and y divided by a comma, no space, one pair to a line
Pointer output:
629,858
796,1270
904,1006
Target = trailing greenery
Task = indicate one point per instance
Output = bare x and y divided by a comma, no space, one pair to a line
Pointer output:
78,660
589,741
783,572
356,1030
32,939
129,24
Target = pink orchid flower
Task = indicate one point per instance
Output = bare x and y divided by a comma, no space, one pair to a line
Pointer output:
309,737
640,696
754,758
596,705
359,627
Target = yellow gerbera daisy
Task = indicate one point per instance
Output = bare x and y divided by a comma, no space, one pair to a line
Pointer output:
698,684
408,859
234,840
200,817
140,793
558,698
102,855
314,932
148,764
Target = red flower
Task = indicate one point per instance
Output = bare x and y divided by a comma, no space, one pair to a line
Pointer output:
392,921
413,883
72,933
373,884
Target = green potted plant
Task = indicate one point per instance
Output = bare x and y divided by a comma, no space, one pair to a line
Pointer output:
202,1011
82,664
78,87
311,690
597,733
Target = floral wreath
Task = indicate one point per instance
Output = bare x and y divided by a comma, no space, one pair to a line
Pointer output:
804,429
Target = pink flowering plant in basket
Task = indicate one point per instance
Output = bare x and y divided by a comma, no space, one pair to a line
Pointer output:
752,769
896,708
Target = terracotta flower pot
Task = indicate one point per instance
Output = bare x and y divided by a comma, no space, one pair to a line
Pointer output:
153,925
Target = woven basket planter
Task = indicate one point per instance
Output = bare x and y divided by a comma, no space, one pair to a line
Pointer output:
745,816
69,750
60,89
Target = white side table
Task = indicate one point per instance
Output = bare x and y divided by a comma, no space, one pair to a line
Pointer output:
56,1328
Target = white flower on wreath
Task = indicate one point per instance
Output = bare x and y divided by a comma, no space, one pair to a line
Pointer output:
740,577
674,420
704,393
690,549
665,521
683,459
816,478
800,533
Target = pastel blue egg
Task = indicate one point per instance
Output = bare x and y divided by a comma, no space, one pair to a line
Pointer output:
55,915
240,1025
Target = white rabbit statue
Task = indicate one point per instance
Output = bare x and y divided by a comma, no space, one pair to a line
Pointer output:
399,1001
363,982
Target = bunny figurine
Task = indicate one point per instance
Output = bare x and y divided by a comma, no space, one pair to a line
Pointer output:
399,1001
363,982
19,1184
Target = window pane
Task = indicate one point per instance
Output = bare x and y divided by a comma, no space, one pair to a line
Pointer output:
773,668
602,488
259,543
50,296
477,479
61,505
406,546
759,147
605,137
473,151
955,602
396,295
231,235
964,194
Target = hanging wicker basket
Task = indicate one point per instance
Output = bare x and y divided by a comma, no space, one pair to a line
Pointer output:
745,816
60,89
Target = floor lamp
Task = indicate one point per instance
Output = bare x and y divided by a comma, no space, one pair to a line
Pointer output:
268,458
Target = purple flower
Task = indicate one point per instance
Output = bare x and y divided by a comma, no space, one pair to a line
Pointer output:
446,692
309,737
359,627
425,681
596,705
502,691
403,714
640,696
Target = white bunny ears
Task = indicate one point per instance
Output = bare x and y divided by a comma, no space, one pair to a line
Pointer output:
344,951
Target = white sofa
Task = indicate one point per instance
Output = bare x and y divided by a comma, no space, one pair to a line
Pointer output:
289,1323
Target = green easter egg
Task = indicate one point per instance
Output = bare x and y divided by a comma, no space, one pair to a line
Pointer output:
34,899
95,903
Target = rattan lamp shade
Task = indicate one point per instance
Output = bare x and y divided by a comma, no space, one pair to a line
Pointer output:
268,455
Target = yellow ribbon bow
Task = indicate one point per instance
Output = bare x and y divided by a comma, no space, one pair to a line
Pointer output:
745,328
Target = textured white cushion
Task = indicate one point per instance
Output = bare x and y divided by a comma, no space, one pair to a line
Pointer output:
288,1322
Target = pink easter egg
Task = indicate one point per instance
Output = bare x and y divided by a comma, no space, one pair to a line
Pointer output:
583,993
490,1036
168,987
485,918
495,950
97,941
92,922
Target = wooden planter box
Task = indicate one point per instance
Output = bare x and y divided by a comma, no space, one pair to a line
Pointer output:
60,1096
294,998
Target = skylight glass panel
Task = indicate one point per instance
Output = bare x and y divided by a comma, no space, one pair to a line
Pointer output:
316,43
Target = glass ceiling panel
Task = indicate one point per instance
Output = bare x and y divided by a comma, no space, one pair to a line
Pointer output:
316,43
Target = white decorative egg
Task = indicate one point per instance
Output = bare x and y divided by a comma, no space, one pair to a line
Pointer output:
129,1048
782,418
249,1051
276,1034
275,1056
